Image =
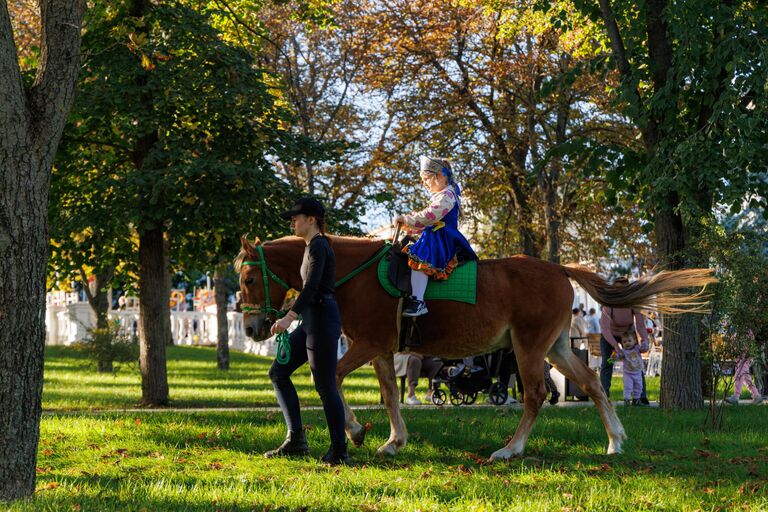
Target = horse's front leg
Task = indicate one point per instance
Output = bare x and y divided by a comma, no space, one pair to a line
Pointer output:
357,355
385,371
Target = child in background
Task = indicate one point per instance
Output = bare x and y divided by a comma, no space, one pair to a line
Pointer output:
629,353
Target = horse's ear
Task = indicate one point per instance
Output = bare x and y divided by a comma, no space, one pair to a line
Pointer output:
256,241
246,245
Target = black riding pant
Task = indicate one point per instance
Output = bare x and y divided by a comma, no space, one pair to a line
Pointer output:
316,340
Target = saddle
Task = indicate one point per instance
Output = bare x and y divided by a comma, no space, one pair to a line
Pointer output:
395,277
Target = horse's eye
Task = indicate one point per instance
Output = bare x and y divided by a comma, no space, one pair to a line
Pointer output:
249,281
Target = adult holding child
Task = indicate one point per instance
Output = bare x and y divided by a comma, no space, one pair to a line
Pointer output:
618,324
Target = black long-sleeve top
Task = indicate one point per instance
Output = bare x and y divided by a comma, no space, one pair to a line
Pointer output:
318,269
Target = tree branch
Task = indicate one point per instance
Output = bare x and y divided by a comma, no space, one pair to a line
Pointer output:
53,92
12,99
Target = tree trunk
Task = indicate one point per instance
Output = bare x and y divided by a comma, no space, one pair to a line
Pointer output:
169,341
681,366
98,299
23,244
222,340
153,313
31,123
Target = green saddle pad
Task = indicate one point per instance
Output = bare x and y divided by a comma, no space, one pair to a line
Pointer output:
461,286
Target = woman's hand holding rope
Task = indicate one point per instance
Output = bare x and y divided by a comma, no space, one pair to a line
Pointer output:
285,322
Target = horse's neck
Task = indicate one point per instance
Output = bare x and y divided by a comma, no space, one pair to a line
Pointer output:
284,259
351,253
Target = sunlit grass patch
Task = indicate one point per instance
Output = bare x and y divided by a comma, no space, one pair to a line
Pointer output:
212,461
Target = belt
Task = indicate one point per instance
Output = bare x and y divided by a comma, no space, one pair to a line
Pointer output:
322,297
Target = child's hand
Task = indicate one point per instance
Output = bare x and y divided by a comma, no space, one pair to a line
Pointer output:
400,219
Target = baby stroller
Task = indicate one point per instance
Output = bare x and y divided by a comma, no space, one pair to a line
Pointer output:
465,381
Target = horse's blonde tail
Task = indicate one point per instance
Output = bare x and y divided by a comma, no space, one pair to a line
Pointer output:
650,293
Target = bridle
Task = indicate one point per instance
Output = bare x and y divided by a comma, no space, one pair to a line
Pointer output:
266,273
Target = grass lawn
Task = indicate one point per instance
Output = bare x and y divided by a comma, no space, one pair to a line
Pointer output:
71,383
178,461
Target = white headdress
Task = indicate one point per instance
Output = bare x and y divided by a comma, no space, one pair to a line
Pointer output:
436,165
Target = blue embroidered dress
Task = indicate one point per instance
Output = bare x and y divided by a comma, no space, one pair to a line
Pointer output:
441,245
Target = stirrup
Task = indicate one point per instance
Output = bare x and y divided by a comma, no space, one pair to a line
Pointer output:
410,334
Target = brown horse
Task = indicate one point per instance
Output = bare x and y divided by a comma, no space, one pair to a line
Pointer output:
522,303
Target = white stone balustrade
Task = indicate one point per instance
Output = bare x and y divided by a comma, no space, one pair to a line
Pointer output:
68,322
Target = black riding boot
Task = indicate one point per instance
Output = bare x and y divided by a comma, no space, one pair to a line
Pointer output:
295,445
336,455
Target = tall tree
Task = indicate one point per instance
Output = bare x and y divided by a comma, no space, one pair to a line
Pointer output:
692,81
32,117
498,88
339,135
183,121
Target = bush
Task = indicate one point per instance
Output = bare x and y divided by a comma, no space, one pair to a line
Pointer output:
106,346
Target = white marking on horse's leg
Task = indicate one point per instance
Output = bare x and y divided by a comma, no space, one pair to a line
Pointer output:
354,358
574,369
398,437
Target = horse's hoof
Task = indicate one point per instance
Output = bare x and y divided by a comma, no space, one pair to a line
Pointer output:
389,450
503,454
614,447
357,436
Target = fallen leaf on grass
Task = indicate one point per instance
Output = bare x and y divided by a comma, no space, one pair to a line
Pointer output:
47,452
76,507
368,426
138,421
42,471
50,485
215,465
477,459
703,453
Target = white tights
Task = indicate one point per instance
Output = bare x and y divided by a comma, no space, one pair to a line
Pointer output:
419,282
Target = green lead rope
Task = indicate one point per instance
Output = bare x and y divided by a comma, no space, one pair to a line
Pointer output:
283,352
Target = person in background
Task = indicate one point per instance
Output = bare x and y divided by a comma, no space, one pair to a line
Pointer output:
578,327
593,323
615,325
632,373
742,377
415,366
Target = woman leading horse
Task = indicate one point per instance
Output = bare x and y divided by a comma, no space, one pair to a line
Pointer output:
522,303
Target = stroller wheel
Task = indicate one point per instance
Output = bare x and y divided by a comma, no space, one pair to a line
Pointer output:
497,393
438,397
457,397
470,398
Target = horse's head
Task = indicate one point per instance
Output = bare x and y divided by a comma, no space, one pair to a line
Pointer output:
262,291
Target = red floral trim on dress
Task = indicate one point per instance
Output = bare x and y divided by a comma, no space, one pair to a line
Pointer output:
441,274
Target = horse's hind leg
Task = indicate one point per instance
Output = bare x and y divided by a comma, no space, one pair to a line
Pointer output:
531,367
385,371
357,355
562,357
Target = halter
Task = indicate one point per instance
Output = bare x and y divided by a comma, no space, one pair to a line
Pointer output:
266,273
